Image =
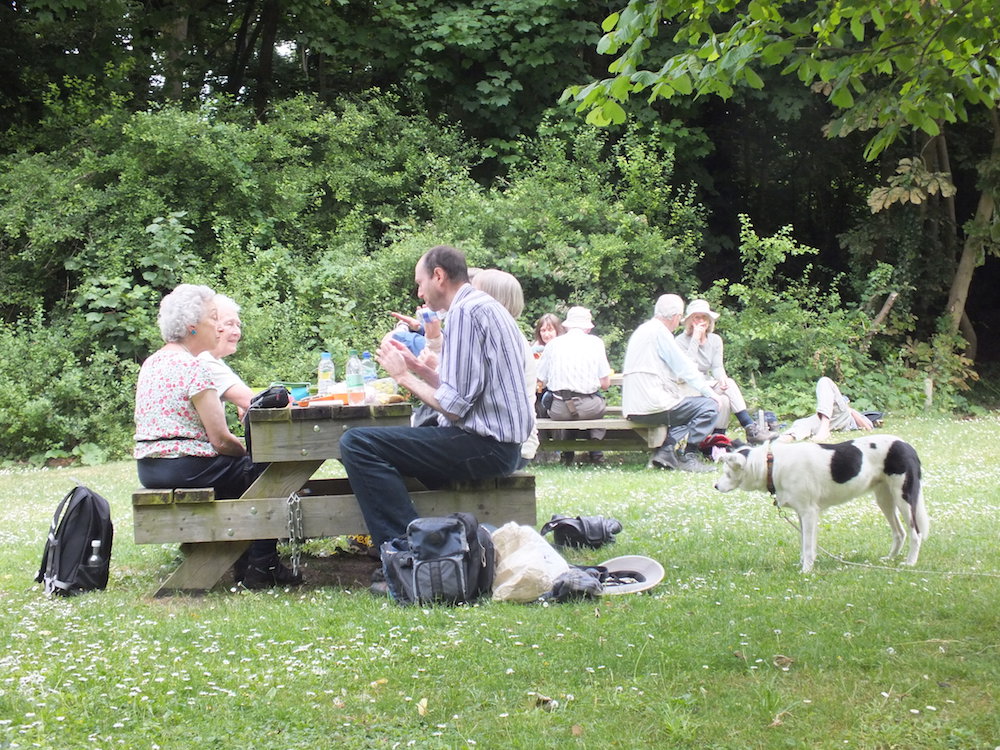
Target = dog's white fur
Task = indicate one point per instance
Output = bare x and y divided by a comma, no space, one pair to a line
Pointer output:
810,477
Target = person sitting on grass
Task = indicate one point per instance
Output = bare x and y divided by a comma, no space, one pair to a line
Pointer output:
833,412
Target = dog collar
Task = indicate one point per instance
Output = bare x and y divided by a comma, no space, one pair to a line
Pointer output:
770,471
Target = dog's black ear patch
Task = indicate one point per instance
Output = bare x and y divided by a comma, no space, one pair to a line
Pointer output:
846,462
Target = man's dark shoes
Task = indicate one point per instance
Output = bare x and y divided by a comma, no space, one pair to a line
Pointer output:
665,458
566,458
268,573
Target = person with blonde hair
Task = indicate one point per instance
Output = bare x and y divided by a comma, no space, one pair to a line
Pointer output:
506,289
704,347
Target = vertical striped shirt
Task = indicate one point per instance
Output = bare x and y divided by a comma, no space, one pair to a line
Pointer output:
482,370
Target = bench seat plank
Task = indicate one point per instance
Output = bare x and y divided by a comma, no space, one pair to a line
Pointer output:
494,501
622,434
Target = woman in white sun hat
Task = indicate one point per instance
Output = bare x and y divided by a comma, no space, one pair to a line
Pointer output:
704,347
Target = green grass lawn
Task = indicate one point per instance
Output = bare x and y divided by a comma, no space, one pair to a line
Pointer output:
735,649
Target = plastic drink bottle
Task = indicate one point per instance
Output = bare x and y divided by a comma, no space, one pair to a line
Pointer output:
354,379
368,371
324,375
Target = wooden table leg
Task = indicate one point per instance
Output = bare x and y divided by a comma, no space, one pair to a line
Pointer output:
205,563
203,566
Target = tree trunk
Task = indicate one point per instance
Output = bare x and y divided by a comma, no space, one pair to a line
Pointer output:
246,38
973,249
175,35
270,16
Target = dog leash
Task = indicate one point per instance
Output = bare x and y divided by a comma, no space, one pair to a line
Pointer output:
782,514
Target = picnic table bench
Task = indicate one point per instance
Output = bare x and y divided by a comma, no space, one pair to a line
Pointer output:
285,501
622,434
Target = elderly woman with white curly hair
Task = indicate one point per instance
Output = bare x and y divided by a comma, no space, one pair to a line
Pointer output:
181,435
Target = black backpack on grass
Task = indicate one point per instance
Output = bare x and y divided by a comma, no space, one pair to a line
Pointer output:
82,518
441,560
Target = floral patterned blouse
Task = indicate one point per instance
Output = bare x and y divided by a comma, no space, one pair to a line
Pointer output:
166,422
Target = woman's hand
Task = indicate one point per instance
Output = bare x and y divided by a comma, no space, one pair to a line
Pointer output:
699,332
213,417
412,323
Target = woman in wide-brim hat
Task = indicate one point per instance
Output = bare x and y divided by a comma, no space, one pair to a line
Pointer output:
704,346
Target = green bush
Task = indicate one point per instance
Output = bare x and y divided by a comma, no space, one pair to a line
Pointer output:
783,330
53,400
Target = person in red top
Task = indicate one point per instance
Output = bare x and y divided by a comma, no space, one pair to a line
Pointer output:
181,435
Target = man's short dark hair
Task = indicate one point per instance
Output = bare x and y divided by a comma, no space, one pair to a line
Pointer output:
449,259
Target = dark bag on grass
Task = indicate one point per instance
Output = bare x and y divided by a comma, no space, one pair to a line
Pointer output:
441,560
582,531
82,518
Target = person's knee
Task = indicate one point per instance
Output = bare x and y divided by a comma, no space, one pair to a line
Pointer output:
354,442
710,409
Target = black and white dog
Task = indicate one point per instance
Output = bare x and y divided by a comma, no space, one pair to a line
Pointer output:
811,477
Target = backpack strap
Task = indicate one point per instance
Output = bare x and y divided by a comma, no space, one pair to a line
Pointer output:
53,550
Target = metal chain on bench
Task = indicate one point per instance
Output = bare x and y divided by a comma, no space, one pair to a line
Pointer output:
295,532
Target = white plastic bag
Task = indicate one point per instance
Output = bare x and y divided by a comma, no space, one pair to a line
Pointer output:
527,565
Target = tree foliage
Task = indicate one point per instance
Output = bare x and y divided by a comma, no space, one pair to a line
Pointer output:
912,66
886,66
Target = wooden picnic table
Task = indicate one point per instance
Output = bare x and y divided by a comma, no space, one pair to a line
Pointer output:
295,442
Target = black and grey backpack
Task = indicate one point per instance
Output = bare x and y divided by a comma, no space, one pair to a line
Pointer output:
441,560
77,554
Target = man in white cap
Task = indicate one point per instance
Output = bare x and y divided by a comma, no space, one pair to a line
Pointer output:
574,367
653,381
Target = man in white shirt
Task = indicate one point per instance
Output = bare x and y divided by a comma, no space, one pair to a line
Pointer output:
653,377
574,367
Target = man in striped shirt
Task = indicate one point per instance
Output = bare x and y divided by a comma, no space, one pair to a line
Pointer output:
484,409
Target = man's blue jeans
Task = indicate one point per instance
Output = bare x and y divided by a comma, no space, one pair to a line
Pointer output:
378,458
693,416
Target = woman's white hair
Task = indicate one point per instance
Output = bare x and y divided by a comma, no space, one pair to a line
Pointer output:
222,300
182,309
